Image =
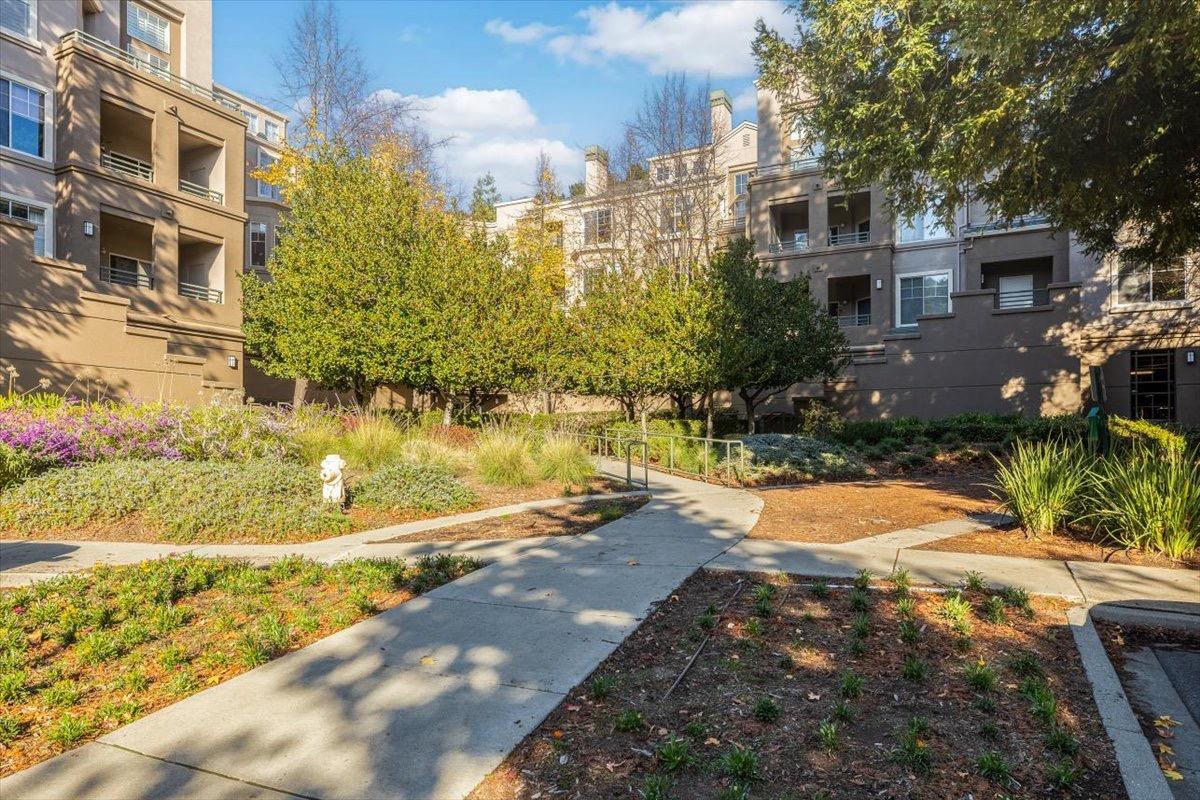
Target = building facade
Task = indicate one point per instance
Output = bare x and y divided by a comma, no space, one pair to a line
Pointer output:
123,200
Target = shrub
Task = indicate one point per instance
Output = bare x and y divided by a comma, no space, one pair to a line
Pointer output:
503,459
426,488
1142,434
811,458
371,441
1042,484
15,466
1148,500
434,452
184,500
564,460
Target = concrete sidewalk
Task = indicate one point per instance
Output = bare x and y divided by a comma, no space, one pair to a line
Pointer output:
423,700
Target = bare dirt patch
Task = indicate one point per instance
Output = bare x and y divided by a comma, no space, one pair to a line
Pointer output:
842,512
1070,546
766,709
565,520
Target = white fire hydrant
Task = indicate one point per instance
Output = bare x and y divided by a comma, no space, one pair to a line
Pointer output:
333,485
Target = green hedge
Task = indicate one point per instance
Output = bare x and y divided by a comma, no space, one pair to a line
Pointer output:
15,466
961,428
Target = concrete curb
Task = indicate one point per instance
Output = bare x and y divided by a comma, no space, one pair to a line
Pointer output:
1139,769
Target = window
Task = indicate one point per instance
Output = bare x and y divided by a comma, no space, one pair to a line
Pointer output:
152,63
1146,283
740,182
19,17
148,27
271,130
739,209
922,294
251,121
22,118
258,244
265,189
921,228
1152,384
597,226
673,215
30,213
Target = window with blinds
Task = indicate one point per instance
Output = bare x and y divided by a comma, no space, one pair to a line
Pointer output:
31,214
19,17
148,27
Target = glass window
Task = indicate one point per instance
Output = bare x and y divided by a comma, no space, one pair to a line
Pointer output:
22,118
268,190
258,244
921,228
597,226
1146,283
19,17
271,130
251,121
33,214
740,182
923,294
148,27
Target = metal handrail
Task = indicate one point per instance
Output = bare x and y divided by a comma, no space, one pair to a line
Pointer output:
789,167
789,245
855,237
608,446
201,191
1023,221
196,291
737,461
853,320
1023,298
135,61
126,165
141,276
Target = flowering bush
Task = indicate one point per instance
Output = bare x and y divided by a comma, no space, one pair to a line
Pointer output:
779,453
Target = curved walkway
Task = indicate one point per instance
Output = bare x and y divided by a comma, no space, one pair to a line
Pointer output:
422,701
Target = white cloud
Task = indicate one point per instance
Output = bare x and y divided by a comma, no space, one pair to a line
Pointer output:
705,37
518,34
491,130
746,100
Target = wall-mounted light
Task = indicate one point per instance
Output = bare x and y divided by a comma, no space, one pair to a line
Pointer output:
879,283
231,361
89,228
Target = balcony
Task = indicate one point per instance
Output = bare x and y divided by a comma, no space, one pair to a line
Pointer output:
198,190
125,271
792,167
1019,283
126,165
732,224
1022,298
853,237
998,225
849,300
853,320
78,37
795,243
126,251
195,291
201,268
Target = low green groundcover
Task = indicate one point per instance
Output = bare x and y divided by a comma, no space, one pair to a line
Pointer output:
778,452
419,486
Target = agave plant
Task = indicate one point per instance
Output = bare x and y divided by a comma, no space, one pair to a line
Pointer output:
1042,484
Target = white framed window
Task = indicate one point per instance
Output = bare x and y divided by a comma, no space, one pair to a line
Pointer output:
22,118
597,226
36,214
1152,283
268,190
920,294
148,27
251,121
922,227
151,62
740,182
258,244
271,130
19,17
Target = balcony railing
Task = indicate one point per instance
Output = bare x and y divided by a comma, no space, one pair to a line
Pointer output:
991,226
791,245
788,167
201,191
128,272
853,320
1023,298
126,165
854,237
732,224
195,291
137,62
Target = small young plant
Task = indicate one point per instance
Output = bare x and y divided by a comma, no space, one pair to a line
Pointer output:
766,710
963,642
628,720
955,609
842,712
753,627
985,703
764,591
10,729
740,763
1041,699
973,581
859,600
763,607
1063,773
980,676
913,751
1026,665
994,767
603,686
62,694
706,621
827,735
910,632
68,729
735,791
863,579
906,607
656,787
674,753
902,581
861,626
1061,741
819,589
851,685
857,648
1018,598
914,669
993,610
989,731
696,730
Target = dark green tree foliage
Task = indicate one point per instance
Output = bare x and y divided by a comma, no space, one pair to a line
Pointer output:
1085,111
484,198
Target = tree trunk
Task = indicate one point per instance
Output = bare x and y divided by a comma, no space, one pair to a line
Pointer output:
709,422
628,408
448,411
364,393
547,402
299,392
750,402
645,423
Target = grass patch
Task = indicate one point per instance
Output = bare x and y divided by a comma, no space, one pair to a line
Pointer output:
420,486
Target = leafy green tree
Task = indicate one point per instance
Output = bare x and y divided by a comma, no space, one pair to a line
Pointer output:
1085,111
484,198
771,334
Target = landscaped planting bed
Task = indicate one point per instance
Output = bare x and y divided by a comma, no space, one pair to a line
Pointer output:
81,655
1077,545
803,689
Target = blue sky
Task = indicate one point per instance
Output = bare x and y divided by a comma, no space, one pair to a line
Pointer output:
502,80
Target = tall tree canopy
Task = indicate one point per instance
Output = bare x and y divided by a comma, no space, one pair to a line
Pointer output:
1085,111
484,197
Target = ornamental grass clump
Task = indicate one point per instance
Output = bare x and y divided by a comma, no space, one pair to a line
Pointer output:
564,460
416,486
1145,499
371,441
503,458
1042,484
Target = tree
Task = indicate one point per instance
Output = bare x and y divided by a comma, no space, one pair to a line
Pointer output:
342,305
772,333
484,198
1083,111
537,237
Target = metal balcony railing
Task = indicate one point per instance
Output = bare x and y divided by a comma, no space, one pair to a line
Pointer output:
195,291
992,226
126,165
1023,298
788,167
791,245
854,237
853,320
128,272
201,191
137,62
737,223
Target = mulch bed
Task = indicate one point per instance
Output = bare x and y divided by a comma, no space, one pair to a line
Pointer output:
1067,546
842,512
565,520
794,652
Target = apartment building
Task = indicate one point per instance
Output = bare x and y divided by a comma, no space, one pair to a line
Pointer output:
986,315
123,199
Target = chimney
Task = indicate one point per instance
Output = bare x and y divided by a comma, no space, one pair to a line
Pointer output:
595,171
722,113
